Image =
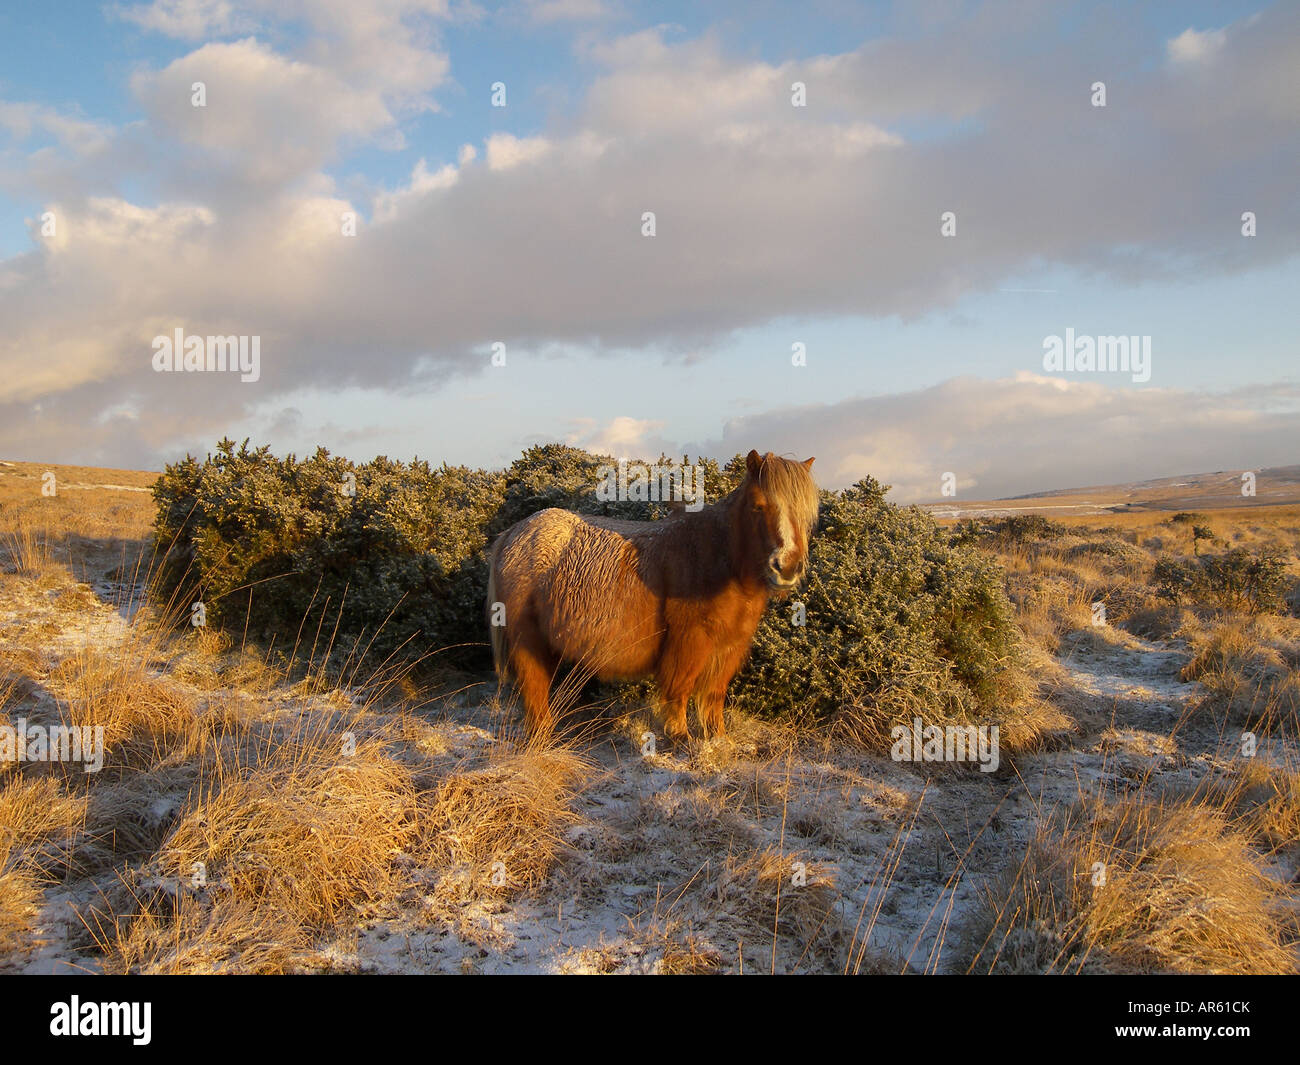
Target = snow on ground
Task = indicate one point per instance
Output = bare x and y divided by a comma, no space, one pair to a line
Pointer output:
658,856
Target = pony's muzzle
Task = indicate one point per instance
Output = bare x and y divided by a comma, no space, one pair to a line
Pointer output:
783,578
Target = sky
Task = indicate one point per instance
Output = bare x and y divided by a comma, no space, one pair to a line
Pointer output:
869,222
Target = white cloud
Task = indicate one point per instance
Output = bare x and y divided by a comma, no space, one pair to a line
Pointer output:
1027,433
1195,46
390,205
269,117
22,120
360,67
764,210
622,437
187,19
505,152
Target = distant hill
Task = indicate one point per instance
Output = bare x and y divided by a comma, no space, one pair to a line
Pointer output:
1275,486
20,480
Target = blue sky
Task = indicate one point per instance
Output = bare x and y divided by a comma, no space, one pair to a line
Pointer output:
775,225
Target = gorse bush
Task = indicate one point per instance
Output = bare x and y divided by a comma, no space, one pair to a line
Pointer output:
282,549
556,475
1024,528
1235,580
388,556
895,619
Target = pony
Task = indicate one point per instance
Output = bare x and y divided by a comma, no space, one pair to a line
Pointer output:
676,600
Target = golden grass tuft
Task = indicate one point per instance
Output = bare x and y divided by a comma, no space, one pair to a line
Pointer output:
1271,799
19,666
26,548
1183,891
230,935
20,896
296,836
1030,724
769,894
513,811
39,823
1248,666
1262,799
37,813
146,720
689,956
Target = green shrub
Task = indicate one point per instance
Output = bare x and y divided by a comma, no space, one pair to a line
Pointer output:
281,549
1244,581
1235,580
1112,549
556,475
1025,528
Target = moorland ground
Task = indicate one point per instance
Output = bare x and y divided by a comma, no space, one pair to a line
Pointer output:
250,817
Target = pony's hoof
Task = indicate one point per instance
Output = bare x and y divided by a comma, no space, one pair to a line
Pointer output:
677,737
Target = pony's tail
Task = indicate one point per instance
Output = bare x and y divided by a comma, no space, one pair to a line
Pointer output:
498,632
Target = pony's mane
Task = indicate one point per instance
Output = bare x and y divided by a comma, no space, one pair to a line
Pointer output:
790,485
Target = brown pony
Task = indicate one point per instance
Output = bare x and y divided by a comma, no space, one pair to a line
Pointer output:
677,600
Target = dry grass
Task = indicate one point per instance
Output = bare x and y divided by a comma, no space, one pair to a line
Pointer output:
187,935
756,908
38,817
689,956
1183,891
308,831
513,812
288,837
1270,798
39,824
768,894
1054,584
243,829
219,766
1055,580
249,834
87,502
1036,723
26,548
1262,799
20,897
146,721
289,832
95,519
1248,666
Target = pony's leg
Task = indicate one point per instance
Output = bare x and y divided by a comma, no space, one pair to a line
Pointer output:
675,727
680,665
709,706
533,664
711,694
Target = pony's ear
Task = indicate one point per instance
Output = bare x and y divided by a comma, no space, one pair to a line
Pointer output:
808,463
753,463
